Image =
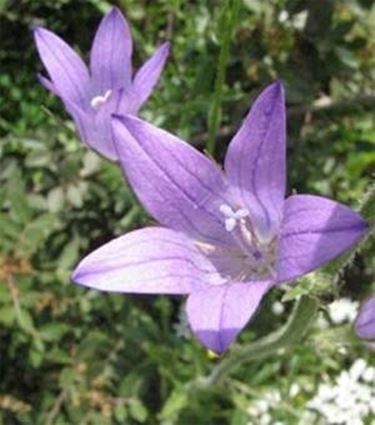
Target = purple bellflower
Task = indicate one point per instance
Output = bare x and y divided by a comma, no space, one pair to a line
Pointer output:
365,322
226,238
92,96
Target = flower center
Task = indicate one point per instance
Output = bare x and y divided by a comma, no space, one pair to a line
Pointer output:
98,101
260,257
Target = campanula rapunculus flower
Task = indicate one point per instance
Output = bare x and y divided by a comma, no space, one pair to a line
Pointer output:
365,322
91,96
225,238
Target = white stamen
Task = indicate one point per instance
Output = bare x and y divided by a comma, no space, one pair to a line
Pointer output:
98,101
232,217
226,210
241,213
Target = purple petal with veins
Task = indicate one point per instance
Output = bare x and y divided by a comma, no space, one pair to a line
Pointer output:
110,58
218,313
314,231
256,159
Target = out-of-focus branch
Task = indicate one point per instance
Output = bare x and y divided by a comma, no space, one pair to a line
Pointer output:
328,105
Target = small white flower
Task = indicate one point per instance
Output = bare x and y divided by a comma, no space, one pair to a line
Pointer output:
369,375
283,16
265,419
278,308
357,369
343,310
322,322
260,410
294,390
299,20
262,406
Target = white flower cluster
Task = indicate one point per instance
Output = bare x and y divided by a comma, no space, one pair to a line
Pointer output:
343,310
340,311
260,410
350,400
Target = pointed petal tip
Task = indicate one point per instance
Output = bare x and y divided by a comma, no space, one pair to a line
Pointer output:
315,230
79,277
218,314
166,46
276,88
164,49
279,84
47,83
76,275
38,32
114,10
115,13
35,29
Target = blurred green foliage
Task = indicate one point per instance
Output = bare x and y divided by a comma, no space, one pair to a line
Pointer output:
74,356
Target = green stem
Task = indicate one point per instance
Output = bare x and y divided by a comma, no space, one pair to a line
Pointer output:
303,315
229,16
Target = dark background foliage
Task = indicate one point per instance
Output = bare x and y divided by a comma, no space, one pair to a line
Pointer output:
73,356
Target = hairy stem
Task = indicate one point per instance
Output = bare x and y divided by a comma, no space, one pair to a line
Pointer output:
303,315
227,23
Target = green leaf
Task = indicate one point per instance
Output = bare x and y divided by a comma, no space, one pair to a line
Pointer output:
69,255
19,210
7,315
55,199
53,331
137,410
74,196
177,401
120,412
36,232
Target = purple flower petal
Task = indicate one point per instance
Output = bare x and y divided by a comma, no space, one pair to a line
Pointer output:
102,140
48,84
314,231
218,313
149,261
365,322
148,75
255,160
178,185
110,59
66,69
94,127
83,120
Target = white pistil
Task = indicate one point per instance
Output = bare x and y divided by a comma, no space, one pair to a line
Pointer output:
98,101
232,218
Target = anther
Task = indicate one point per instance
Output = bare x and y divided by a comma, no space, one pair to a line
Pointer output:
232,217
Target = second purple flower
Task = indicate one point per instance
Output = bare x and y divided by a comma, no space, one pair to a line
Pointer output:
91,96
